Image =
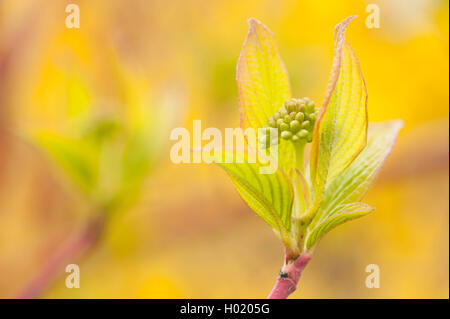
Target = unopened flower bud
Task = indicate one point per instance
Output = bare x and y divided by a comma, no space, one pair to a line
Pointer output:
295,126
284,127
305,124
303,133
290,105
286,135
272,122
300,117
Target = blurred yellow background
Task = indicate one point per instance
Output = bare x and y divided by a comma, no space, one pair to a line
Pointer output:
190,235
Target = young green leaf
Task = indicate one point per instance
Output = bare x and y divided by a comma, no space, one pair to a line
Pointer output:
356,180
268,195
262,79
263,83
340,132
340,215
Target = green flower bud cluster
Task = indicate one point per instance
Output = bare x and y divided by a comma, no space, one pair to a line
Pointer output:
294,121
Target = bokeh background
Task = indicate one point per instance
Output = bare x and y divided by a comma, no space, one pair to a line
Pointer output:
187,234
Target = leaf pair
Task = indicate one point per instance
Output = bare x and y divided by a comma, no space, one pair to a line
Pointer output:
342,196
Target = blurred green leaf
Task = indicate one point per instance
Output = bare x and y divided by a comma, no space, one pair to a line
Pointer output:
101,130
75,157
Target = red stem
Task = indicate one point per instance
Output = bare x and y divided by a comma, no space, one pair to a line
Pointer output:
289,275
76,247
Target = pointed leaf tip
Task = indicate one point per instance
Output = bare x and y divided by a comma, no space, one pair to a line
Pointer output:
344,24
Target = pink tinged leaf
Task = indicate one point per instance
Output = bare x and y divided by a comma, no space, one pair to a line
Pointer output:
262,79
263,84
341,130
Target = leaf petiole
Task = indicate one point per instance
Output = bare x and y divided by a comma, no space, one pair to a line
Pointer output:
300,156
